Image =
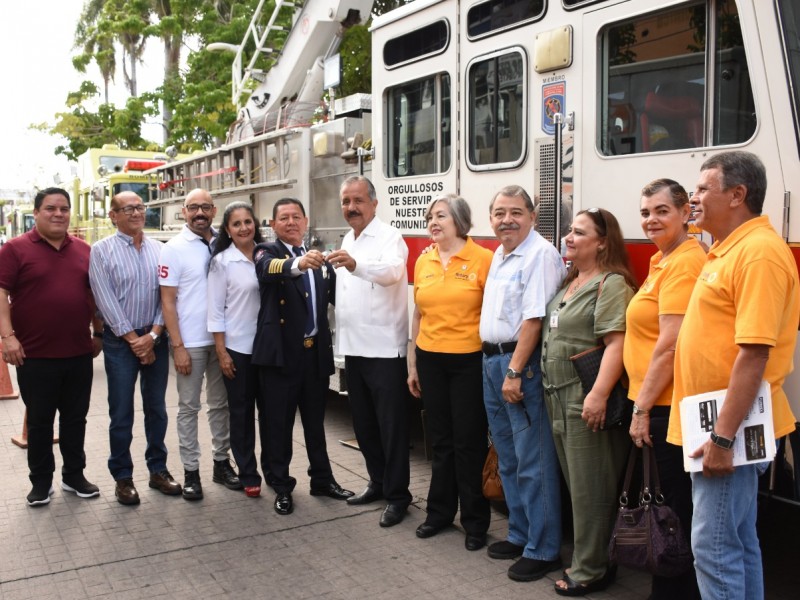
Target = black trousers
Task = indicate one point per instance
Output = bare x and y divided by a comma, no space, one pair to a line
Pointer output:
677,488
284,393
379,403
452,392
243,400
48,385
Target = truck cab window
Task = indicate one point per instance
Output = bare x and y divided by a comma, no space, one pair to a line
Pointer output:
496,113
675,79
419,127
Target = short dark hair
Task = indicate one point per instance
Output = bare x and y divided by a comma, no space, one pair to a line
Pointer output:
514,191
677,193
741,168
51,191
373,195
284,202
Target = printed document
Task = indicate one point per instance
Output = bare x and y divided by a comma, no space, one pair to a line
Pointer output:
755,440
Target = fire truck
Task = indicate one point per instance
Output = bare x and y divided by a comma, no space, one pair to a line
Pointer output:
581,102
104,172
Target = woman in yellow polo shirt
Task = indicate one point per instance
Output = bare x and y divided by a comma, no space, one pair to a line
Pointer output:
445,368
653,320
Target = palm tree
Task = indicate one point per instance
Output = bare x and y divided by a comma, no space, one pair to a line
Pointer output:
96,41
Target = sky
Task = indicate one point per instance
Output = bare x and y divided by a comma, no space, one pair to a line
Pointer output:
36,39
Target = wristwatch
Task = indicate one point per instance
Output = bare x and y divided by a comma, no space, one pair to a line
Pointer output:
640,411
724,443
512,374
156,338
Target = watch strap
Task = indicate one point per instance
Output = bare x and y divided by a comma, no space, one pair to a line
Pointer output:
724,443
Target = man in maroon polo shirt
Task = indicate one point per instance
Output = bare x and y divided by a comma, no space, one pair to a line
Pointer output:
45,334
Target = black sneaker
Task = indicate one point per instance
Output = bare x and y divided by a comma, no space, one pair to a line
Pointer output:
40,494
77,484
224,474
192,490
504,550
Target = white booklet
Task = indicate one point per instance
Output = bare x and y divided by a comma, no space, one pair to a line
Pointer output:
755,439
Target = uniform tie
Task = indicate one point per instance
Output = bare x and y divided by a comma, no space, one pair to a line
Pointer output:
298,251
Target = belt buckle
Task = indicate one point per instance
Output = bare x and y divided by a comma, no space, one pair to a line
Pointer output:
308,342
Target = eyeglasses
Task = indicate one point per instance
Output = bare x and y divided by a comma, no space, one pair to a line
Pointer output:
193,208
506,405
129,210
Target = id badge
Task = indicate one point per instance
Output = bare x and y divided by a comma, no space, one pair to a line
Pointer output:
554,320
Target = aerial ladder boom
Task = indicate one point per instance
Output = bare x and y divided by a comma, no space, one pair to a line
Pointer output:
288,92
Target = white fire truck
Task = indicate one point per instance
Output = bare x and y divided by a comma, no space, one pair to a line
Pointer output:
581,102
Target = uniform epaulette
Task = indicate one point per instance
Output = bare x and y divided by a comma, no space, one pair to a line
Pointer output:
276,265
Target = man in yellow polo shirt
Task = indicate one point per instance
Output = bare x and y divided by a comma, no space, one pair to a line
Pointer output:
740,328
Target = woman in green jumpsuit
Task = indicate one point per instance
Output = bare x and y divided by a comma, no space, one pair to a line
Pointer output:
589,307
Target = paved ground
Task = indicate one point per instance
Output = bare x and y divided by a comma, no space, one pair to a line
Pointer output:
228,545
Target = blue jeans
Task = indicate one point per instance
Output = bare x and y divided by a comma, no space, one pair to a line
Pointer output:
528,463
724,540
122,369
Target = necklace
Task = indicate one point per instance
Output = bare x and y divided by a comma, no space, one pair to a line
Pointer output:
579,284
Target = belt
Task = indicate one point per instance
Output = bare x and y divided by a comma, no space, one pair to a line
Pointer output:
490,349
309,342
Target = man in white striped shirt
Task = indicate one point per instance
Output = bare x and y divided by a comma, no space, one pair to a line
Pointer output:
123,271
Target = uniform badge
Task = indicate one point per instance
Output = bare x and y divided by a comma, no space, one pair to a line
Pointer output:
259,254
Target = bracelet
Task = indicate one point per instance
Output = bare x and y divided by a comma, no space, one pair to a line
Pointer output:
97,334
5,337
174,346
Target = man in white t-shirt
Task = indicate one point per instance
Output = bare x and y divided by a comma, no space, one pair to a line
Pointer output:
182,273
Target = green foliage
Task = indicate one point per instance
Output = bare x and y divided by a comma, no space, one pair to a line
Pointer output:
84,128
195,101
356,61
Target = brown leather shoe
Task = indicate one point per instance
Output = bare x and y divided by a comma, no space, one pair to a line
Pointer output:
164,483
126,492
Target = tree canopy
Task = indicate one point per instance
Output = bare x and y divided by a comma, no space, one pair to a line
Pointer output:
194,101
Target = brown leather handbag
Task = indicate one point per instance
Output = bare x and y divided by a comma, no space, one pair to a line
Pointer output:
492,486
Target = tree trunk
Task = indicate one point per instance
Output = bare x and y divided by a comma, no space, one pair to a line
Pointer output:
172,63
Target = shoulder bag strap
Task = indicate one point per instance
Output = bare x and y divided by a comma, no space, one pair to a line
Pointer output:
623,498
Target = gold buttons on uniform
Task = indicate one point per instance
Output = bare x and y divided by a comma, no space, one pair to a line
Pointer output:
283,301
281,321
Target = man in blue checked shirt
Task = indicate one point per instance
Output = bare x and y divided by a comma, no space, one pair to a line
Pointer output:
123,271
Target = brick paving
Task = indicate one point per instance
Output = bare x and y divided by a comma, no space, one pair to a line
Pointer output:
228,545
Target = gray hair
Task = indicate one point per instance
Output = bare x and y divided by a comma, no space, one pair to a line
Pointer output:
514,191
741,168
459,210
373,195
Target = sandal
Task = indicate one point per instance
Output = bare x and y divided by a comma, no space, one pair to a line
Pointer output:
575,588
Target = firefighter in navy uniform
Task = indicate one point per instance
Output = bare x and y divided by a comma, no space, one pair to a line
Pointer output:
293,351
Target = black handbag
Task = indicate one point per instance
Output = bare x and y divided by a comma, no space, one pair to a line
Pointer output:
649,537
619,409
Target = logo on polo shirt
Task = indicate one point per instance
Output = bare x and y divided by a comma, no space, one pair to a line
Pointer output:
708,277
